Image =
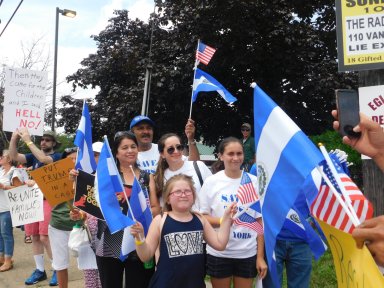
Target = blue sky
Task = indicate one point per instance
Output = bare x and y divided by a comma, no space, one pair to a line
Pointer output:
35,19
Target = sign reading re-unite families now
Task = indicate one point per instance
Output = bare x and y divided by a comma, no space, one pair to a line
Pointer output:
360,34
25,205
24,100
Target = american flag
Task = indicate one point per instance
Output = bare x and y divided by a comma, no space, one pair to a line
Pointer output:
246,192
327,208
248,219
204,53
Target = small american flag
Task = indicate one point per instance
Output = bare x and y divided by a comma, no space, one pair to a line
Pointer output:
248,219
246,193
204,53
327,208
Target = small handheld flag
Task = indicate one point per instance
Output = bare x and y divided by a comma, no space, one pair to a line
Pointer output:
203,82
85,159
204,53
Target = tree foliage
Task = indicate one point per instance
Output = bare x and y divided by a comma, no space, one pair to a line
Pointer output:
287,47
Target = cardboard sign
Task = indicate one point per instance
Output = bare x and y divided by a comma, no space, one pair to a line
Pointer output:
25,205
354,267
53,180
24,100
85,195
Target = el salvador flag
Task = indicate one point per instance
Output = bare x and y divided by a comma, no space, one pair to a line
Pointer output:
107,184
204,82
85,158
285,157
141,209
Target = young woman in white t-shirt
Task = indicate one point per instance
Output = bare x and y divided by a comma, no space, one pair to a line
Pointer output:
244,254
171,162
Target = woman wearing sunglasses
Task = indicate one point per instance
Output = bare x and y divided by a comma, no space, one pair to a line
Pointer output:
172,162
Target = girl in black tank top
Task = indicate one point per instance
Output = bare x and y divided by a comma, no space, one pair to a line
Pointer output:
180,234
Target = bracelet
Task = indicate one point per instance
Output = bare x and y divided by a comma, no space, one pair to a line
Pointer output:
29,143
139,242
192,143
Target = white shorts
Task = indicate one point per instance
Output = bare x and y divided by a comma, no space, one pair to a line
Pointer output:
59,246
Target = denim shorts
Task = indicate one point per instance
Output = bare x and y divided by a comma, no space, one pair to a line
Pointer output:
218,267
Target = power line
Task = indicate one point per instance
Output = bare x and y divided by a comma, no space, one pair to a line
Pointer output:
17,8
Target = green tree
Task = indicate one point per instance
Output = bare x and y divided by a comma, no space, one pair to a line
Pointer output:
286,47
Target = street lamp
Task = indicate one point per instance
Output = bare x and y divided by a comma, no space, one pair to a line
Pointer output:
67,13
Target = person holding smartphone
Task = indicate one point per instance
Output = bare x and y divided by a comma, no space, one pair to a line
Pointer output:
370,143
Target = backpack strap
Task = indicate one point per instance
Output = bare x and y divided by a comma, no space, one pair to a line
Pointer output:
197,169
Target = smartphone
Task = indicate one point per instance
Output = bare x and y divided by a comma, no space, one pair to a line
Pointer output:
347,102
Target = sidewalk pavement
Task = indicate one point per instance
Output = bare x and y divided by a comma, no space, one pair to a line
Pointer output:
24,265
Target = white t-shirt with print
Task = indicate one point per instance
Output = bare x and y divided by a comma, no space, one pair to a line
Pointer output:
189,170
6,179
217,193
147,160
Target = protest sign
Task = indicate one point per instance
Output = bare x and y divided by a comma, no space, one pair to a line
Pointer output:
85,196
360,35
24,100
354,267
53,180
25,205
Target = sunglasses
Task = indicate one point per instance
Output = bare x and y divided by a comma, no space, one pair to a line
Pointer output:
172,149
245,129
46,140
70,150
123,133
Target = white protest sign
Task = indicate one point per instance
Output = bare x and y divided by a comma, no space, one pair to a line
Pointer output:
25,205
371,102
24,100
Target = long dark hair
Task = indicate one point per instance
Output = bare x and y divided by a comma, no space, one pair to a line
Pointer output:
120,136
162,163
219,165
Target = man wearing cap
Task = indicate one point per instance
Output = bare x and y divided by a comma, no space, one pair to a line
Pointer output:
142,127
39,230
248,146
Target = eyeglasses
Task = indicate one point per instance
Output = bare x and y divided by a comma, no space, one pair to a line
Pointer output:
46,140
178,193
172,149
123,133
245,129
70,150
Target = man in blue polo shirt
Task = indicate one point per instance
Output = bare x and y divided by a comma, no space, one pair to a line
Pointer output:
38,231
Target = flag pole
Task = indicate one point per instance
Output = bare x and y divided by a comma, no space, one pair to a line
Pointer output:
355,221
194,75
338,180
129,205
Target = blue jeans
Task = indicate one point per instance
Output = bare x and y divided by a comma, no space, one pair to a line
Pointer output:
6,234
297,257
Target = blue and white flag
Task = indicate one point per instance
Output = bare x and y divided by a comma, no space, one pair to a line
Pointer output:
285,157
204,82
141,209
85,158
108,186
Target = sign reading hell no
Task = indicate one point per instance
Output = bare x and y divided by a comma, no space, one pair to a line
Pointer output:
24,100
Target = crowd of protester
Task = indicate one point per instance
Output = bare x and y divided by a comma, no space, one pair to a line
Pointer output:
190,204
